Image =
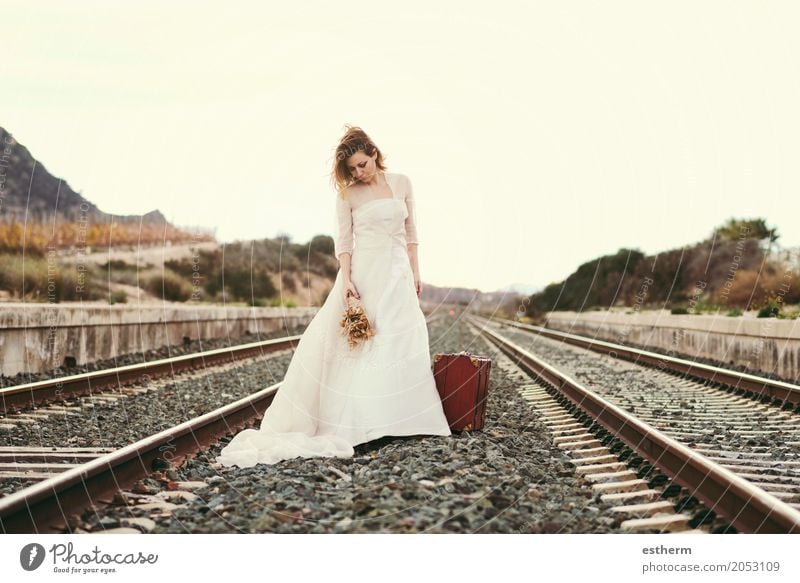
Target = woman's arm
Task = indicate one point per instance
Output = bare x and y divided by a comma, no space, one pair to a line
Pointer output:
414,260
412,242
344,266
343,243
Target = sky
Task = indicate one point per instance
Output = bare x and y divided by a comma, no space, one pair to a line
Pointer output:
537,135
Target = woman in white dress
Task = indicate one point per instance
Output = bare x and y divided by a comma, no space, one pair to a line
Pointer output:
334,397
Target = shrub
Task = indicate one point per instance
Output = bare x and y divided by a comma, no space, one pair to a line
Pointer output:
171,286
287,279
790,315
118,264
323,244
702,306
277,302
118,297
38,279
770,309
679,310
735,312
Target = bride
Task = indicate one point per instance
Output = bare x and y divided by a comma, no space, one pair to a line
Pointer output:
334,397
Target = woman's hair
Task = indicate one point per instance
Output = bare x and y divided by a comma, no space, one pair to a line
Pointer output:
354,139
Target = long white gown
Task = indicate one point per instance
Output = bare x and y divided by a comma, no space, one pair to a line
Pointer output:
334,397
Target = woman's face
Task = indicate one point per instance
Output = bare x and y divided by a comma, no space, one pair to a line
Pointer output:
362,167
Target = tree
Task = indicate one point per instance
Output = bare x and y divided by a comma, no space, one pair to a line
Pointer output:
747,229
322,244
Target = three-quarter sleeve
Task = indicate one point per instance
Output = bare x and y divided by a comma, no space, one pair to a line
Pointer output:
411,219
343,243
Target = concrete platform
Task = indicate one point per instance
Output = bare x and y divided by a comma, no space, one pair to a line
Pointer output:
760,344
39,337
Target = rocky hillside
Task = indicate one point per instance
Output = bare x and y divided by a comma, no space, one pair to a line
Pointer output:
33,195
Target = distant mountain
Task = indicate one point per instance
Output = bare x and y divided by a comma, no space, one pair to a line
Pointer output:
520,288
33,195
507,299
449,295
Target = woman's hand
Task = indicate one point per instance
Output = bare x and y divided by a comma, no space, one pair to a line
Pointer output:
349,289
417,284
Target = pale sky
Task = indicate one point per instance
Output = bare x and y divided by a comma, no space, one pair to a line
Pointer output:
537,135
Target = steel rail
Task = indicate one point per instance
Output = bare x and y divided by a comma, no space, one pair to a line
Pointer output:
26,396
778,392
746,506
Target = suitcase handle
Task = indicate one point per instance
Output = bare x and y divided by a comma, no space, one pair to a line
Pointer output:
437,356
473,358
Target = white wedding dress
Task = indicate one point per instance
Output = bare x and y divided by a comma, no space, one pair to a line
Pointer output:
334,397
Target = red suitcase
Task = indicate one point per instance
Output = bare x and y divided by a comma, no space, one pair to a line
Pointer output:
462,381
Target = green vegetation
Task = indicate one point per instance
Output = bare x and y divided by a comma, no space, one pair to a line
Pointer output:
118,297
255,273
733,269
770,309
593,283
775,308
752,228
241,271
44,279
169,286
789,314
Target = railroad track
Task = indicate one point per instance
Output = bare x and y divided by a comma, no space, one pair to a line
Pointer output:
703,434
779,393
73,479
20,398
19,403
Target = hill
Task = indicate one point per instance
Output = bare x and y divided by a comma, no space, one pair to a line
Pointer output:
739,266
32,194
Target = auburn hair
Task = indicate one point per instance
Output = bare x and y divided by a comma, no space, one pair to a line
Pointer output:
355,139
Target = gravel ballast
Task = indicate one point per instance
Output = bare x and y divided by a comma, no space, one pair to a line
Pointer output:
508,478
170,401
